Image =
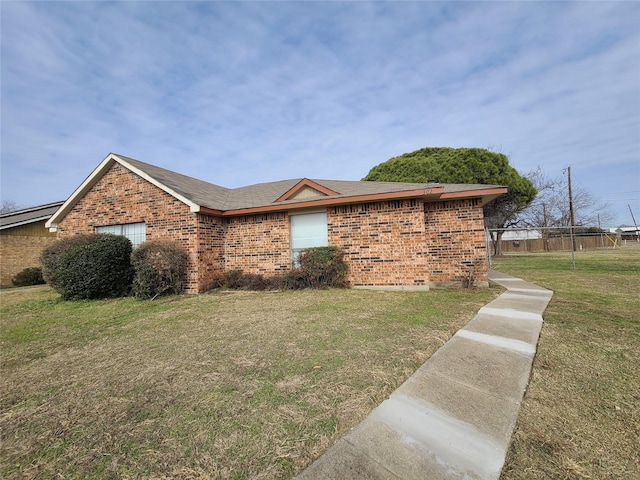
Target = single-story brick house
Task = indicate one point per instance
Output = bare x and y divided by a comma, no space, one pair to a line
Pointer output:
23,236
394,235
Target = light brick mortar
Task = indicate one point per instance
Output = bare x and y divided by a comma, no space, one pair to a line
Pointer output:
384,242
20,252
258,244
456,244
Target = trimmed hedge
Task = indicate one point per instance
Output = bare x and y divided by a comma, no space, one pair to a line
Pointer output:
160,268
89,266
28,276
104,265
51,256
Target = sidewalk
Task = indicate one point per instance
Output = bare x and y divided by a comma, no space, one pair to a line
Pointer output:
453,418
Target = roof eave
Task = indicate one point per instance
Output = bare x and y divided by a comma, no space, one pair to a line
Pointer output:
79,192
427,193
93,178
487,194
194,207
24,222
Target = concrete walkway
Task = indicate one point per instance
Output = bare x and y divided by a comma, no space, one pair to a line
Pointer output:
453,418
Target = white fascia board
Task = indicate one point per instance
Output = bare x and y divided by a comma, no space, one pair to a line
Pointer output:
79,192
97,173
194,207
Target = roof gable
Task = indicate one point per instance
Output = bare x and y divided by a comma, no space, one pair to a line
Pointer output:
192,192
306,188
213,199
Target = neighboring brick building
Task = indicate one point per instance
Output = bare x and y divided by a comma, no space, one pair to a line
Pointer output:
23,236
394,235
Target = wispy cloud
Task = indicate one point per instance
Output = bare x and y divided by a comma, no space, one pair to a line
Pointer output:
238,93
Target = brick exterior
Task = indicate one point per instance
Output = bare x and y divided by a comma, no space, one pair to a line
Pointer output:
120,197
456,242
410,243
397,244
258,243
384,242
20,248
209,262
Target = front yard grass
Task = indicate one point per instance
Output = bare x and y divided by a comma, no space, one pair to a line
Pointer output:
224,385
580,417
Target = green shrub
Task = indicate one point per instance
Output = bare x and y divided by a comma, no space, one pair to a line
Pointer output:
319,267
160,268
28,276
51,256
89,266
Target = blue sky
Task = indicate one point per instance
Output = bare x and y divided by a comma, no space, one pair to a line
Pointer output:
237,93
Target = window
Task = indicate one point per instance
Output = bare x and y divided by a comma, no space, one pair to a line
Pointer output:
135,232
308,230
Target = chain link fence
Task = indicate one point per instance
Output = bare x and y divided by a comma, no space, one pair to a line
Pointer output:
521,241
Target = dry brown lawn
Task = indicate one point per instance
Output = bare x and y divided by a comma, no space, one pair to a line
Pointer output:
225,385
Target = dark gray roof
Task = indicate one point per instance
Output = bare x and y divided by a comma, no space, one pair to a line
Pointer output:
266,194
198,191
29,215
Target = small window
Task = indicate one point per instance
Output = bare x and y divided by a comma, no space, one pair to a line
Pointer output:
135,232
308,230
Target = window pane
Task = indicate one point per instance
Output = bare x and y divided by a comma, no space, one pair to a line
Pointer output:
309,230
135,232
113,229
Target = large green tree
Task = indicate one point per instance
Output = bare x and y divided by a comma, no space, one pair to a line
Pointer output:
464,165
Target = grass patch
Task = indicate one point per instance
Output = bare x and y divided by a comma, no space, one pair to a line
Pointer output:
226,385
580,417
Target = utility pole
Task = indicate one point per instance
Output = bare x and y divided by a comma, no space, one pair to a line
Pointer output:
571,221
545,233
600,228
634,223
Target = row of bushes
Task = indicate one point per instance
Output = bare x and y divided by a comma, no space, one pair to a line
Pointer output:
106,265
318,267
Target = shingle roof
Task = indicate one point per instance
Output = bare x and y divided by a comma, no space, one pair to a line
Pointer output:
266,194
198,191
28,215
270,196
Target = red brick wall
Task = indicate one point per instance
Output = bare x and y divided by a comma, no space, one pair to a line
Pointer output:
258,243
403,243
120,197
384,242
456,241
210,247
